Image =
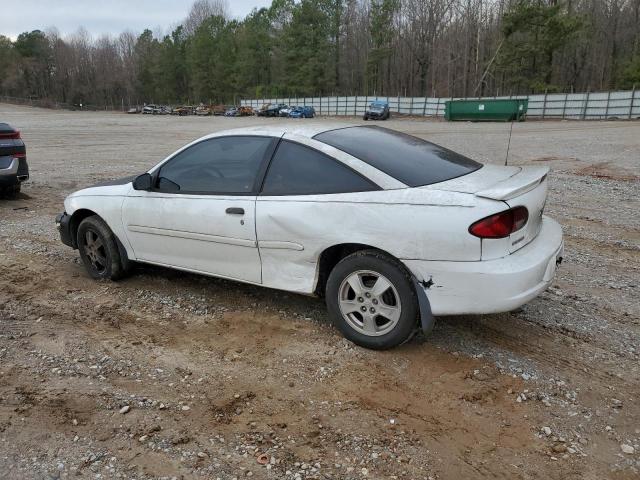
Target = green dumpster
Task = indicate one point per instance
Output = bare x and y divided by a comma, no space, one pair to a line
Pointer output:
491,110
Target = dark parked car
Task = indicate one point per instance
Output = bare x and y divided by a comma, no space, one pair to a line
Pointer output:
13,161
377,110
302,112
261,112
270,110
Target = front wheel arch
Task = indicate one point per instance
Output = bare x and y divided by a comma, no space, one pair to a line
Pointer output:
76,219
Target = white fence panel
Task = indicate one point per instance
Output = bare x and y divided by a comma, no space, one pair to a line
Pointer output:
590,105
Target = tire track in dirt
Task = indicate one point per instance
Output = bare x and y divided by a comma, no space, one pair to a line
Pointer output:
398,391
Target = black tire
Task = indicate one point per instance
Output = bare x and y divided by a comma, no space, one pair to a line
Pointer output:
10,193
394,272
365,118
102,257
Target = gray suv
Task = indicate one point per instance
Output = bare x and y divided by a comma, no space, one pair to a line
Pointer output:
377,110
13,161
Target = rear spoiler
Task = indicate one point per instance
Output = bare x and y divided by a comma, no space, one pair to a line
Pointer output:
525,180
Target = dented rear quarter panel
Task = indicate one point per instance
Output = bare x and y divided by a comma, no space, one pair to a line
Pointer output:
408,223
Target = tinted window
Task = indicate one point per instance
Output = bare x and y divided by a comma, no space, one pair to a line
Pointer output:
409,159
299,170
219,165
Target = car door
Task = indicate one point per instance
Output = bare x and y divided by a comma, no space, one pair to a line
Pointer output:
199,214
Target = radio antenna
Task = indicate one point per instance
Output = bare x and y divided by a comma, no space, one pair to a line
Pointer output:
508,144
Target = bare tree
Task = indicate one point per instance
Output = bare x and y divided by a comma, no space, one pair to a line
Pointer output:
203,9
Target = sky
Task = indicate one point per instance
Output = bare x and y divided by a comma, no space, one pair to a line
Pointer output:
104,16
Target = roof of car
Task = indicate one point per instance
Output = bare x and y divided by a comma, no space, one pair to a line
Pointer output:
307,130
5,127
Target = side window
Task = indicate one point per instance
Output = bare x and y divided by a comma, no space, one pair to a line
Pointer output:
219,165
299,170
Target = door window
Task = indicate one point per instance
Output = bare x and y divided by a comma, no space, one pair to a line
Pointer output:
216,166
300,170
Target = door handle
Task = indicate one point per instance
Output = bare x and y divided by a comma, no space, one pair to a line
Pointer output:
235,211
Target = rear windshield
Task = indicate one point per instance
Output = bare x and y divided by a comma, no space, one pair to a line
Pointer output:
409,159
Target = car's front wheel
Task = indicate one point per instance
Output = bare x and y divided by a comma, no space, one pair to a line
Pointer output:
99,249
372,301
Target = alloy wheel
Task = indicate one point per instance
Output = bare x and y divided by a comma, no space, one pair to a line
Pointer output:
369,303
95,251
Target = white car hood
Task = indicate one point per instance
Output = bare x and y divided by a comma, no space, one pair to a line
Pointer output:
117,187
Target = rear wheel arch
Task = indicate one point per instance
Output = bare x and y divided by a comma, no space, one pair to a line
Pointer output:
331,256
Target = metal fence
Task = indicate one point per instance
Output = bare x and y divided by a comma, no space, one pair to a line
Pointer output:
580,106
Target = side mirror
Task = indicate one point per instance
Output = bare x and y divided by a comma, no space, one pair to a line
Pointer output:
143,182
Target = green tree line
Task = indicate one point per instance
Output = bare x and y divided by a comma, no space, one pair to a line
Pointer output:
334,47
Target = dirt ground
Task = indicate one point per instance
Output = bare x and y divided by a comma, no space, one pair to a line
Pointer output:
224,380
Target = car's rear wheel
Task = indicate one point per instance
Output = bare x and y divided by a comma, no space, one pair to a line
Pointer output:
12,192
99,249
372,301
365,117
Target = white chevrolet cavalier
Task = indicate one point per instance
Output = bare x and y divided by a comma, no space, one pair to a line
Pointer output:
389,228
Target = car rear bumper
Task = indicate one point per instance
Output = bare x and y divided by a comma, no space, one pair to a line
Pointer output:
16,172
63,224
493,286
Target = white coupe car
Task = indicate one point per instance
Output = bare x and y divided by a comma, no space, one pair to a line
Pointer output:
389,228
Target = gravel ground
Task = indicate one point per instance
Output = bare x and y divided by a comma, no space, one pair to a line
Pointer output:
171,375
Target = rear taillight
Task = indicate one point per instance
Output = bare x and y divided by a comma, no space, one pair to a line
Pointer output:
501,224
15,135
